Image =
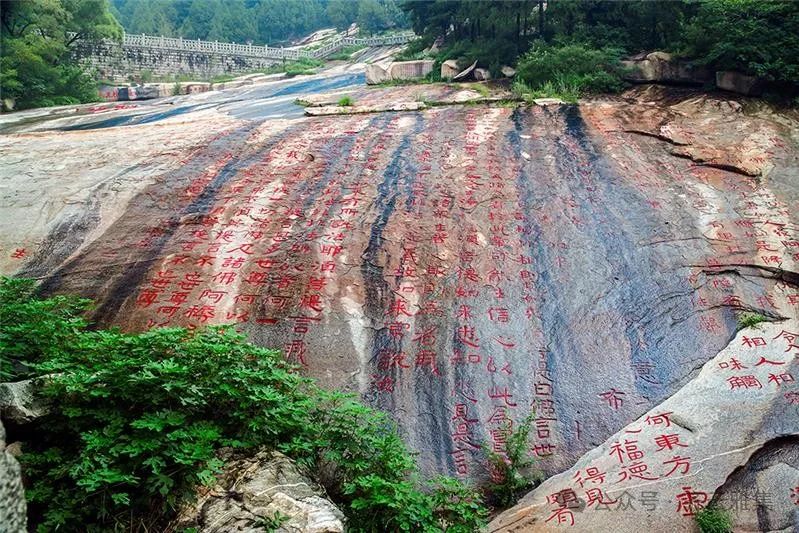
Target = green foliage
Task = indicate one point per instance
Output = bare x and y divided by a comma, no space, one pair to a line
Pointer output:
751,36
560,89
270,22
759,38
36,37
713,520
33,329
513,470
345,54
572,68
138,418
346,101
749,320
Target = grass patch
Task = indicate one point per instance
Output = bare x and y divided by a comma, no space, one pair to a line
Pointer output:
560,89
713,520
345,54
480,88
222,78
346,101
750,320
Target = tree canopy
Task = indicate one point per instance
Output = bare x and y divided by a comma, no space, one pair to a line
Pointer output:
36,37
256,21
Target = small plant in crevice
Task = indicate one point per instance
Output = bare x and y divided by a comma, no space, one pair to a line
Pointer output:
513,472
750,320
713,519
346,101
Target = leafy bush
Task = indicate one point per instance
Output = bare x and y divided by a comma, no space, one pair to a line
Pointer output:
34,329
759,38
513,470
713,520
138,419
346,101
748,320
572,66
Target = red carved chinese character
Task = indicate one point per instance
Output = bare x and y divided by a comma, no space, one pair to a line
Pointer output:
744,382
629,449
678,462
754,341
690,501
668,442
662,418
780,379
614,398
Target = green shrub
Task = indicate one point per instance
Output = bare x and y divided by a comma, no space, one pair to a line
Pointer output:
731,35
34,329
138,418
748,320
346,101
572,67
713,520
514,469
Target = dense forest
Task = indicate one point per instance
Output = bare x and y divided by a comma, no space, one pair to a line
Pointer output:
255,21
577,44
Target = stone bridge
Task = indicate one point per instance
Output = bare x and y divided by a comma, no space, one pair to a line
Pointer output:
166,57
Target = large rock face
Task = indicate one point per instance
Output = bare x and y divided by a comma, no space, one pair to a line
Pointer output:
457,266
731,429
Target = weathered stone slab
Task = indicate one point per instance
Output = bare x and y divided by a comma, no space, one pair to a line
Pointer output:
666,465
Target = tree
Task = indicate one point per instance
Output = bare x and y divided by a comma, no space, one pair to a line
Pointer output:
36,38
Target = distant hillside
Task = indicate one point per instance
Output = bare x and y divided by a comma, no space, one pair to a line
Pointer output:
256,21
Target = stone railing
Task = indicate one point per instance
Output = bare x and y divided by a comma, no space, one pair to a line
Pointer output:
270,52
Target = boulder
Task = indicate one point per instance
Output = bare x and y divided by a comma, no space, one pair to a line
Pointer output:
410,70
266,487
449,69
739,83
507,71
376,73
660,67
482,74
13,518
19,403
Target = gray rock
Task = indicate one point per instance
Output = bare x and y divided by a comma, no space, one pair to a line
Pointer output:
719,437
661,67
376,73
759,494
739,83
264,488
482,74
449,69
18,401
12,497
507,71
